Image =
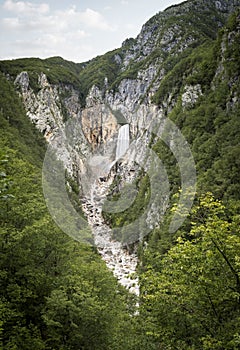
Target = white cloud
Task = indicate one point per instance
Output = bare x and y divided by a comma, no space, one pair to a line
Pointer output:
27,8
36,30
33,16
107,8
42,23
11,23
48,45
88,18
94,19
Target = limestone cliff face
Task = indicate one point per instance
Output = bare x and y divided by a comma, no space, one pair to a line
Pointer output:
79,133
175,34
229,43
159,39
98,122
133,99
42,107
84,134
49,111
162,39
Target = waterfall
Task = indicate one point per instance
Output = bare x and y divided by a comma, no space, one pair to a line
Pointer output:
123,141
117,258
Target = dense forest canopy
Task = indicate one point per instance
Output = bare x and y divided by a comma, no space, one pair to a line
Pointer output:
57,293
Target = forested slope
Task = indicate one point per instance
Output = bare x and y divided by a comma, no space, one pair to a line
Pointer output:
57,293
191,280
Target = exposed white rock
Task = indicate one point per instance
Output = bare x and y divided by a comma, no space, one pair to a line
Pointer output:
94,97
118,259
23,80
118,59
191,95
93,133
99,124
42,81
44,110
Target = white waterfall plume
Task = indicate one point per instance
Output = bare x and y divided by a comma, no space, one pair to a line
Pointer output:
123,141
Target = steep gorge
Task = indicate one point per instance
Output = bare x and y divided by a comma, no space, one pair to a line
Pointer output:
156,73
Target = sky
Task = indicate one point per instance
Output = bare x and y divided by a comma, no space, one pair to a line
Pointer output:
76,30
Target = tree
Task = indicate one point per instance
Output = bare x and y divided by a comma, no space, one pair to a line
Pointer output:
193,300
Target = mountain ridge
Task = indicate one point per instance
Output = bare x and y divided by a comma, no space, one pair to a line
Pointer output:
218,8
183,73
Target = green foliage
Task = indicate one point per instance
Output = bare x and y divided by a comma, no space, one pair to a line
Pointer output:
55,292
57,70
16,130
191,67
96,70
190,279
191,299
213,133
211,126
126,217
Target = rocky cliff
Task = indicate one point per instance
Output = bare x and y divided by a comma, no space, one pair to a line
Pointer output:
150,76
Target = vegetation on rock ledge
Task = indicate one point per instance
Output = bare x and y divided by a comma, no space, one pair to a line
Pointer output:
57,293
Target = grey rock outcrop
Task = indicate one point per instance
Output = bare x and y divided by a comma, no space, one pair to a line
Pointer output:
45,109
191,95
84,135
